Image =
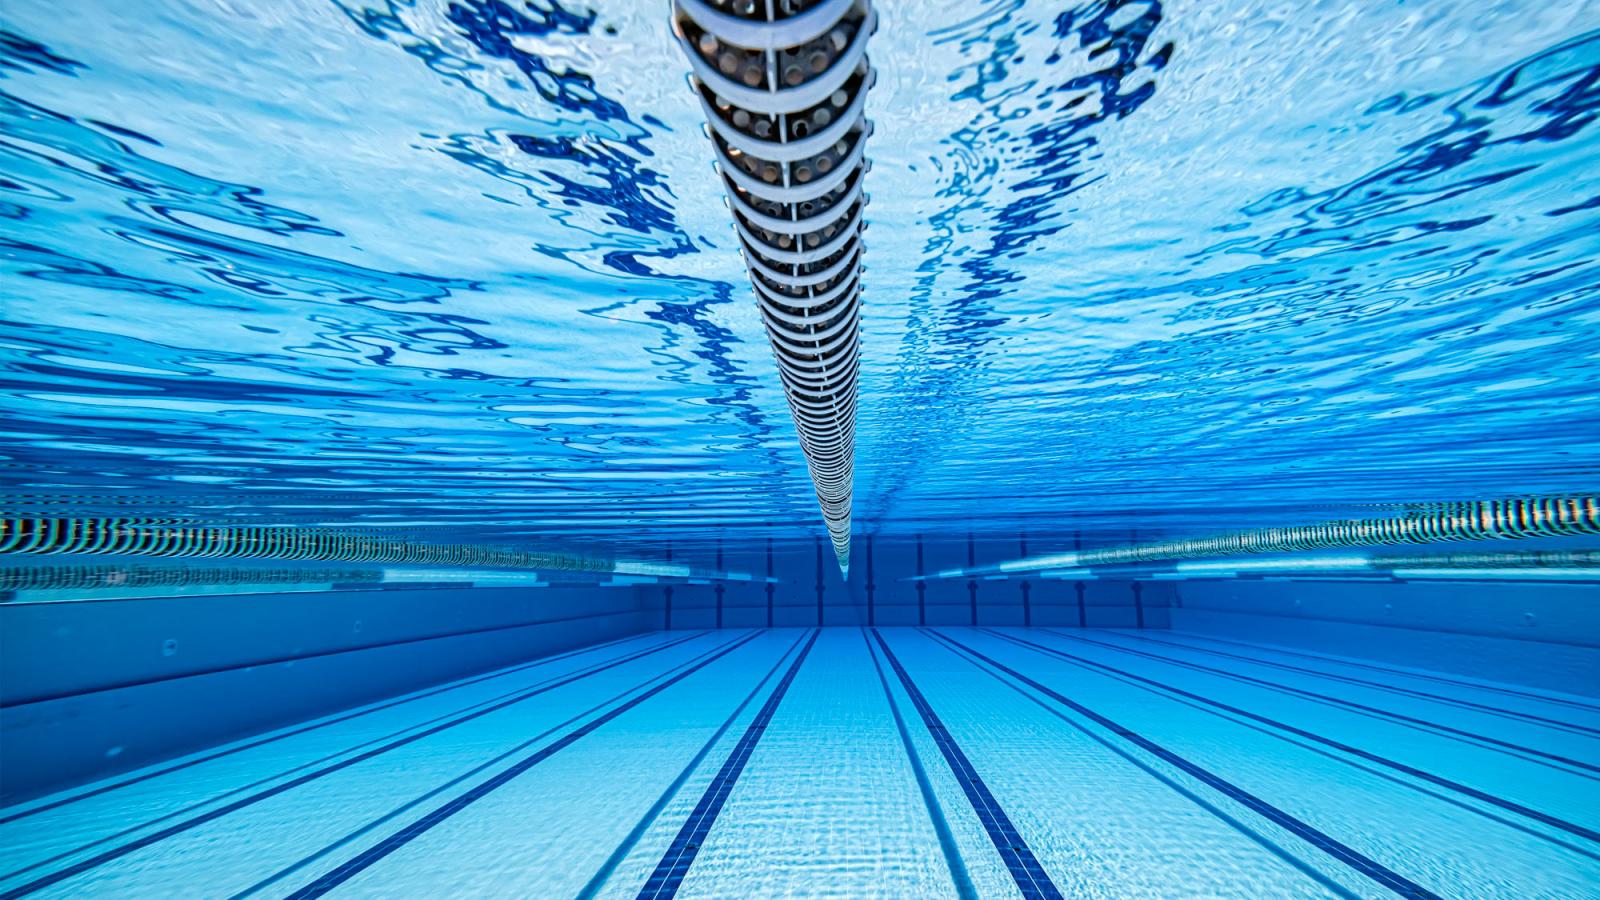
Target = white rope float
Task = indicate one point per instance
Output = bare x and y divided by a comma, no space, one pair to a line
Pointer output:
783,86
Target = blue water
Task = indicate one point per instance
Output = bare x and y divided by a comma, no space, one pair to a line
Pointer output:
462,269
459,272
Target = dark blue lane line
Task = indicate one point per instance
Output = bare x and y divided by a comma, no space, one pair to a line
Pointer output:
1464,804
1127,756
1395,670
1540,757
220,811
1024,867
299,730
959,876
675,863
1378,685
268,779
278,660
413,803
362,861
604,873
1351,857
1476,794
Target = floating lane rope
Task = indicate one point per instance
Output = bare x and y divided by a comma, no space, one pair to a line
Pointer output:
165,538
136,537
121,577
1508,519
783,86
1519,559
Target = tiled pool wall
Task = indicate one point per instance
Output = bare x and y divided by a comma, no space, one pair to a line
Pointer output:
92,688
809,591
1540,635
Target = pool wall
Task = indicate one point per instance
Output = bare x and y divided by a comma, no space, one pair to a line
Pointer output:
1542,635
809,592
91,688
96,687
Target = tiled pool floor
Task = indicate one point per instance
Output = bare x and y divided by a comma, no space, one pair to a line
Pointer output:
851,762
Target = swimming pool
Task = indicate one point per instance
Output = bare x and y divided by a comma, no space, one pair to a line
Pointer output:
408,489
852,762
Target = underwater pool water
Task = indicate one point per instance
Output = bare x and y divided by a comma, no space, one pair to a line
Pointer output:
461,268
400,498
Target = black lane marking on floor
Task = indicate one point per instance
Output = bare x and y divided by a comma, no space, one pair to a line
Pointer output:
1378,685
1024,867
1252,834
218,812
821,585
362,861
771,588
1397,670
1351,857
603,874
374,824
872,587
293,732
675,863
1482,796
922,588
959,876
1519,825
1542,757
279,660
133,829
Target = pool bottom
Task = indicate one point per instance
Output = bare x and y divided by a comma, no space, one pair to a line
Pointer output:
861,762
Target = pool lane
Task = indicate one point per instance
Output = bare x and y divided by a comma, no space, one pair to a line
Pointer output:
1516,753
37,835
545,824
1032,881
1450,742
126,781
1535,700
664,882
1569,733
228,847
901,709
1427,773
1431,721
1423,836
1101,820
948,762
829,803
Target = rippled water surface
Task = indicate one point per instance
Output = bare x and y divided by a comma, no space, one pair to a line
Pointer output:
463,268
